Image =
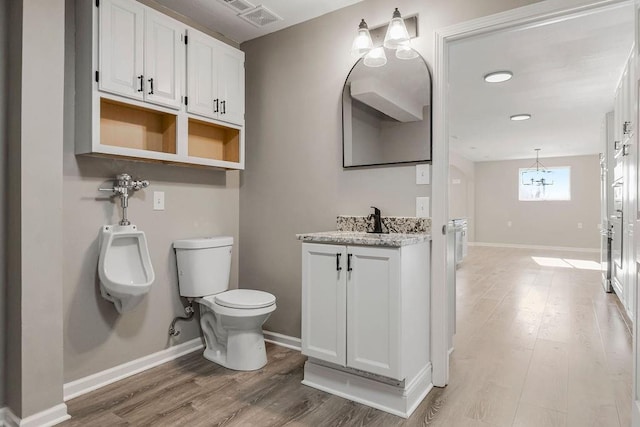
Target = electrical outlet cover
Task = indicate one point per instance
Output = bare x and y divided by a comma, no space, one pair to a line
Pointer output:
422,207
423,174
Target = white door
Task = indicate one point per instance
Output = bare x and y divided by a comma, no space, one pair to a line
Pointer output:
324,302
163,59
231,85
373,310
202,75
120,45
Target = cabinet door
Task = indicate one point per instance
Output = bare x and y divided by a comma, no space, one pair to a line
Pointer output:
202,75
163,59
373,311
120,47
324,302
231,85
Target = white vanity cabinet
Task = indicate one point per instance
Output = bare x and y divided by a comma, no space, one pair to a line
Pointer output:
365,319
215,80
141,53
345,321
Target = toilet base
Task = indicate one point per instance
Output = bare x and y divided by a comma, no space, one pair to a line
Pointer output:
245,351
233,338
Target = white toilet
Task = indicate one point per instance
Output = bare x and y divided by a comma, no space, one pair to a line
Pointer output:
124,266
231,320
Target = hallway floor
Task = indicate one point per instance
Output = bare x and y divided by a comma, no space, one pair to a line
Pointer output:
538,344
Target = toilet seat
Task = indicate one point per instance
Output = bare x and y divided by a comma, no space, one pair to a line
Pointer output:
246,311
244,298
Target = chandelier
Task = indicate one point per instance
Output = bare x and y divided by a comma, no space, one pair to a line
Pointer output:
537,174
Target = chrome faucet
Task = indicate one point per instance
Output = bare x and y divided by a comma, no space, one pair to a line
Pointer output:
122,185
377,220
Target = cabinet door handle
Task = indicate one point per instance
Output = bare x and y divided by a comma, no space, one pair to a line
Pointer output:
338,268
151,86
224,107
349,263
216,107
141,78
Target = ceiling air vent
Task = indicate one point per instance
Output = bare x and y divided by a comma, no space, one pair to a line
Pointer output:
260,16
238,5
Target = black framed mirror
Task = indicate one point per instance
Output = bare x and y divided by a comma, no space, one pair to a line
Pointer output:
386,113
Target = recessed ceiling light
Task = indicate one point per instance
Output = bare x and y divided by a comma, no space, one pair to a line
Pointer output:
520,117
498,76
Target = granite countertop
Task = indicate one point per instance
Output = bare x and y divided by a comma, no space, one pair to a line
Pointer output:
366,239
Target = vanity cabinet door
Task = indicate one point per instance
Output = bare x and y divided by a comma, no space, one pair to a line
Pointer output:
120,48
373,311
324,299
164,60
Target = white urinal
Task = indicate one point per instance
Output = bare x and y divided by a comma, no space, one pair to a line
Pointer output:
124,267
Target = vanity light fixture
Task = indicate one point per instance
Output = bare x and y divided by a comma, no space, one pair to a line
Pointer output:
362,44
404,51
520,117
396,32
498,76
375,58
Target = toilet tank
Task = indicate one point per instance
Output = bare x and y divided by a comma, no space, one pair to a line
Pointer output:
204,265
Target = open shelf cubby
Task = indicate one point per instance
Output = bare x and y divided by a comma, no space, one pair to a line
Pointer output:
211,141
130,126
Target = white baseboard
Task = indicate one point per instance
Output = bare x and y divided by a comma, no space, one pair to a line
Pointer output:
46,418
548,248
400,401
283,340
93,382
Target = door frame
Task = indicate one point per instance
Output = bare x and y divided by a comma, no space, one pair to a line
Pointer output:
524,17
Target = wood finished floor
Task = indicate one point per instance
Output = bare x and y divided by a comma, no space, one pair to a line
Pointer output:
535,346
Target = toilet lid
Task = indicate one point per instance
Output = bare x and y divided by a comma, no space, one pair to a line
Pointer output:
245,298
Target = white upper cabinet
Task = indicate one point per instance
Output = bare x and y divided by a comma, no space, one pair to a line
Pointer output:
215,79
141,53
231,85
163,59
120,48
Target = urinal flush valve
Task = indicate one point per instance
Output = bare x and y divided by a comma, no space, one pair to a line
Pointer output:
123,185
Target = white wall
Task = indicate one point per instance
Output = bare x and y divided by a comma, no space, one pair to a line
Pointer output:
544,223
199,202
294,181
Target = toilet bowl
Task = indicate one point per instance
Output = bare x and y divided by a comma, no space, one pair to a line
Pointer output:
231,320
124,266
233,335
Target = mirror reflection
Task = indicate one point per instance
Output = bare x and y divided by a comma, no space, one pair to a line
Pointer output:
386,113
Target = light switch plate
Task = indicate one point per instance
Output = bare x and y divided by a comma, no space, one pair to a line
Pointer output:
422,207
158,200
423,174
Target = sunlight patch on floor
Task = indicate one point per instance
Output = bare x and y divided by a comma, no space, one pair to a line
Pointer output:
566,263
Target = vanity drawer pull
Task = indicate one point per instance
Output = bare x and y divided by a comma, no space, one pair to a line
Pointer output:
349,263
338,268
216,106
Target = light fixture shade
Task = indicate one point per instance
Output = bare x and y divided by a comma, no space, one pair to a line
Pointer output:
375,58
362,43
396,32
498,76
405,51
520,117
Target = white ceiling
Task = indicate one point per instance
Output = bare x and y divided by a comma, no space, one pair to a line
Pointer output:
565,76
215,15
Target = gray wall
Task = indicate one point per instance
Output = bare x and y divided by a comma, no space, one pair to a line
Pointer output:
546,223
294,181
199,202
4,54
34,338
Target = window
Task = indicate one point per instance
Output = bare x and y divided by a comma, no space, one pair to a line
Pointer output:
544,184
